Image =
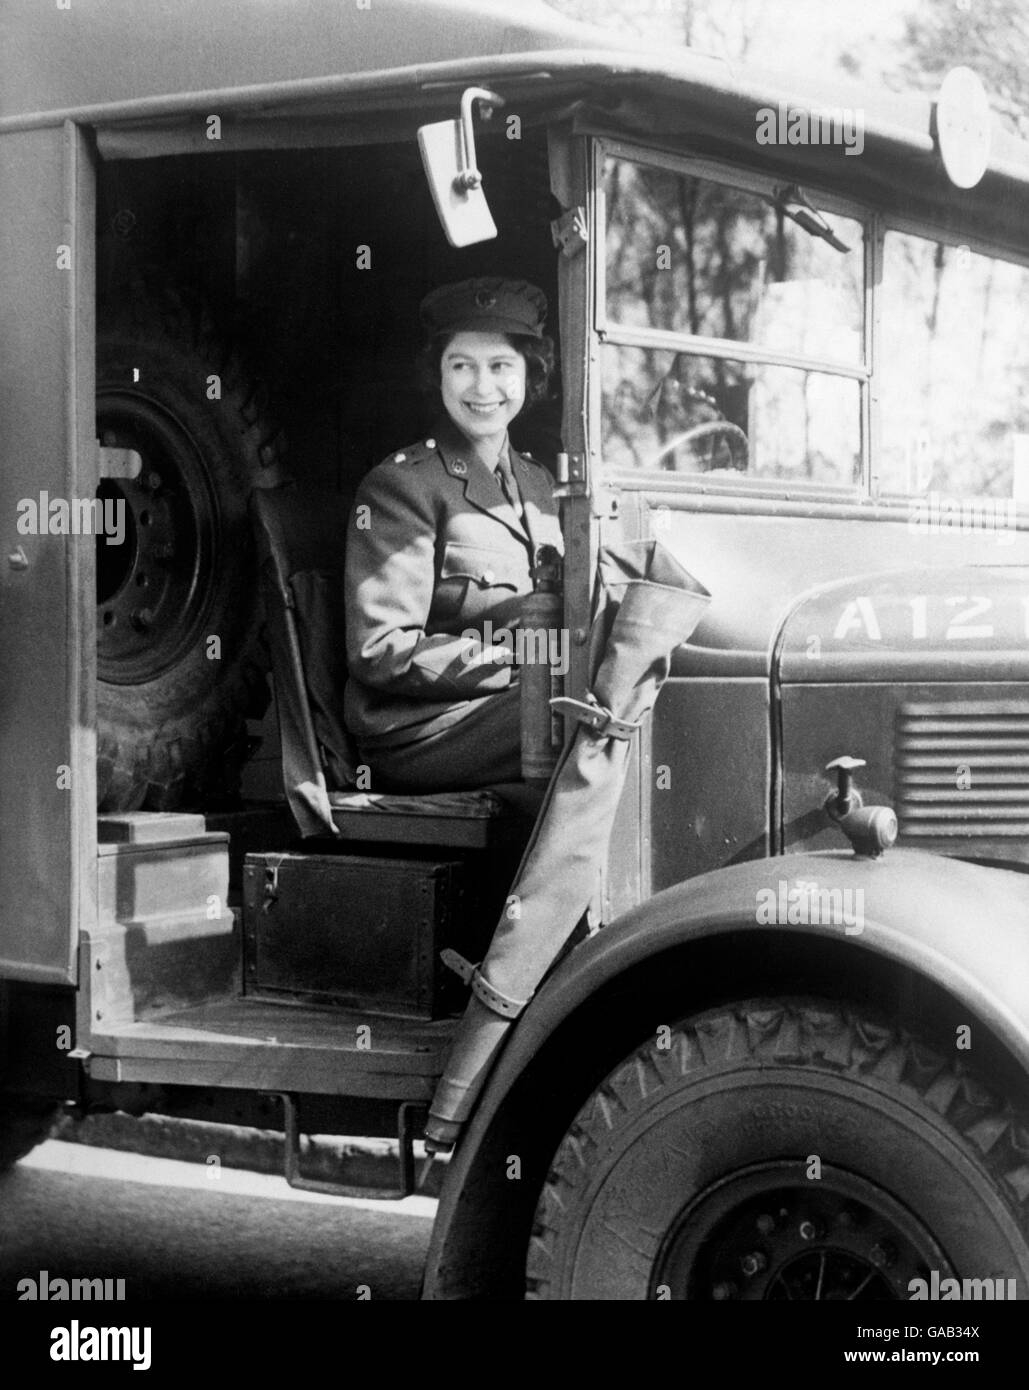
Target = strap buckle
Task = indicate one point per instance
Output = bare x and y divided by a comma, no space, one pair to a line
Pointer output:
595,717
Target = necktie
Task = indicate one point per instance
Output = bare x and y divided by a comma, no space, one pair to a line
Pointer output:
506,479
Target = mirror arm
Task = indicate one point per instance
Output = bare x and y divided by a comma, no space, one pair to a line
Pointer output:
469,176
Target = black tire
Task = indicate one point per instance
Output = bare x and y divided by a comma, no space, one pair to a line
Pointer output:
688,1174
171,704
23,1125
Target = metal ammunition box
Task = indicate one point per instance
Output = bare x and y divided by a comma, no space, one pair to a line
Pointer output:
363,932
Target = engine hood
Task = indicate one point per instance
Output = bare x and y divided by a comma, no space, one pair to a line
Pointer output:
968,622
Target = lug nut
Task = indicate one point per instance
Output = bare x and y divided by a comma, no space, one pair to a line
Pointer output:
882,1255
142,619
724,1290
809,1230
753,1263
765,1224
153,481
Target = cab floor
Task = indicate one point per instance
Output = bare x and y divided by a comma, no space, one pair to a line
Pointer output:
253,1042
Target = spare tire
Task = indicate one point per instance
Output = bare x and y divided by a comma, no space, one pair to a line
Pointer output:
180,664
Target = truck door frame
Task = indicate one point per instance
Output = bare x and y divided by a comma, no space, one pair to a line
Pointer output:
47,614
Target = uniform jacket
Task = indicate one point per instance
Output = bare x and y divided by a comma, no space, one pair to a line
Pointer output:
434,549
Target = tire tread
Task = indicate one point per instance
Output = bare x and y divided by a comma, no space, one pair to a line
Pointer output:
838,1038
198,755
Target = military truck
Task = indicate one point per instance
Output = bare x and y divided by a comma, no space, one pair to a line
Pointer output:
785,1050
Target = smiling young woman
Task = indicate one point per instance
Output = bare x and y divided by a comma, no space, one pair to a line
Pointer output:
440,550
482,383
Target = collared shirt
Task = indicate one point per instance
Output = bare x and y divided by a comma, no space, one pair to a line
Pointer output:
491,461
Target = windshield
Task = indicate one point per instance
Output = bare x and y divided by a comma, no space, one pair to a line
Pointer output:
955,411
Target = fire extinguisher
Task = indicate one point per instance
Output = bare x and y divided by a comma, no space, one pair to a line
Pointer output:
540,624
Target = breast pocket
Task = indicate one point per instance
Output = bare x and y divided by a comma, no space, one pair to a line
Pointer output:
475,581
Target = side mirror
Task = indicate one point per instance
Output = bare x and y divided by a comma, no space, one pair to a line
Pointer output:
448,154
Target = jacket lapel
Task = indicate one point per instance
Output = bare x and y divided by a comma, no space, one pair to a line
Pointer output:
481,488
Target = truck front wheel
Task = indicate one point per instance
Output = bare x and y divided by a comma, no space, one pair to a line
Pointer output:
784,1149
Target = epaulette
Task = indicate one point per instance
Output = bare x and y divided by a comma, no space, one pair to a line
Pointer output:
534,462
414,453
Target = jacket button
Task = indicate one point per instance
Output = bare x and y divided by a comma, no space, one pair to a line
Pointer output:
488,576
430,443
399,458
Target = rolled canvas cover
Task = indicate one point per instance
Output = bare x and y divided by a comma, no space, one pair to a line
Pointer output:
647,605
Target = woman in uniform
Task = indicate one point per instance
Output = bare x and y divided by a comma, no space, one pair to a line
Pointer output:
440,549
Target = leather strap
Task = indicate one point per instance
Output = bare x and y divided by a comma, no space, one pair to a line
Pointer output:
457,963
595,717
501,1004
494,1000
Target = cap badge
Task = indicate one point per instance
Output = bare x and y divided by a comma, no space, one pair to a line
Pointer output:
484,299
459,467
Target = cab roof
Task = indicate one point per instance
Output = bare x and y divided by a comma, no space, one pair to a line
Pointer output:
112,63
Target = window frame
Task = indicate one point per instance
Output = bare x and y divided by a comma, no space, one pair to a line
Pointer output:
605,330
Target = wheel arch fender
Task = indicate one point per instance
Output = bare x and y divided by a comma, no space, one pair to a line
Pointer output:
936,938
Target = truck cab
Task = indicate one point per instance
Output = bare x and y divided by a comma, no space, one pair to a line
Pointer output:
783,1052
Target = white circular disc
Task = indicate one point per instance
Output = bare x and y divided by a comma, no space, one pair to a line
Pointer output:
963,123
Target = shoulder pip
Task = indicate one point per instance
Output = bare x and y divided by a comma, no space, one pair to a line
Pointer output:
414,453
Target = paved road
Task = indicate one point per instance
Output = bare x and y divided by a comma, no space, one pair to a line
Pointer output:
179,1230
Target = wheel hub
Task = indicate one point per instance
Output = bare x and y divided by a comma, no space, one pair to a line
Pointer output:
762,1235
150,598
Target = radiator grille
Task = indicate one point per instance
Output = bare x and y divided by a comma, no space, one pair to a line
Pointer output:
962,770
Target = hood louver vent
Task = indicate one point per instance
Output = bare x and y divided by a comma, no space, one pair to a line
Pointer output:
962,773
